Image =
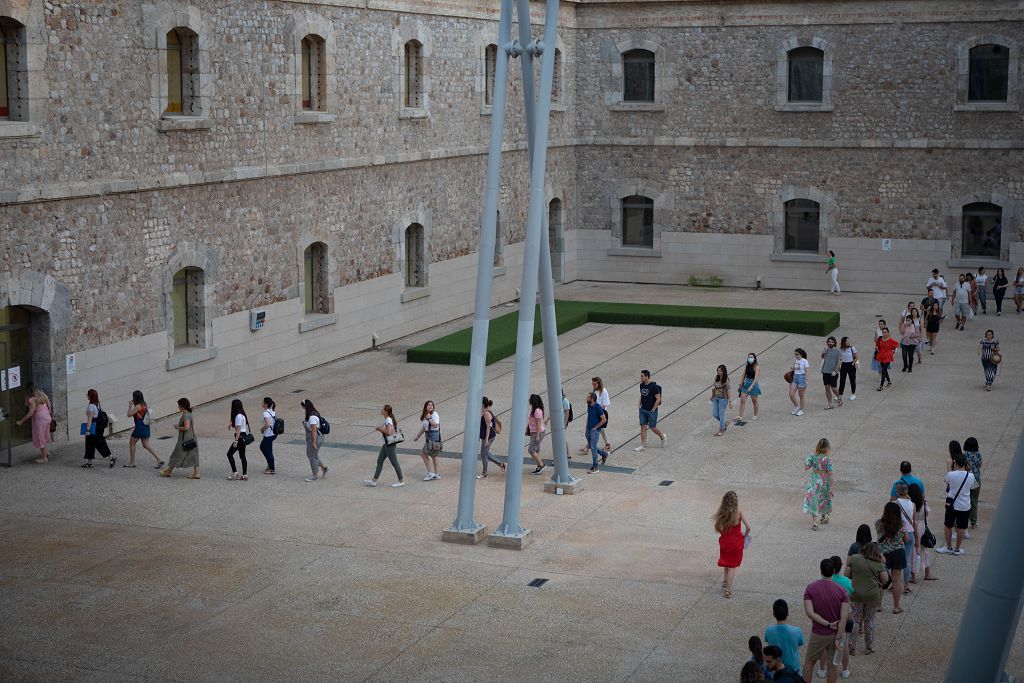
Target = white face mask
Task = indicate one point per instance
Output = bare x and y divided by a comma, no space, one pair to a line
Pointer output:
750,359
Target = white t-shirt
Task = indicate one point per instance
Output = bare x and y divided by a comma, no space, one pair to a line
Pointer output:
602,399
433,417
937,291
387,421
953,481
268,416
313,422
92,410
846,355
981,279
962,293
241,423
907,516
800,366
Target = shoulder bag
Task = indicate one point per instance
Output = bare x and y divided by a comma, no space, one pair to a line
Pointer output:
245,438
435,446
396,438
927,538
788,377
950,501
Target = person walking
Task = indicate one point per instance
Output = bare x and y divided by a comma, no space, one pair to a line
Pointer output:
239,424
489,428
596,419
981,279
938,289
973,457
915,317
267,421
959,481
721,397
833,272
869,577
907,519
973,300
818,492
650,400
535,430
389,451
138,411
932,322
186,450
891,541
96,422
38,404
849,362
885,350
312,425
430,427
988,349
1018,289
961,301
922,559
605,401
751,386
827,605
999,287
731,539
797,378
909,337
830,359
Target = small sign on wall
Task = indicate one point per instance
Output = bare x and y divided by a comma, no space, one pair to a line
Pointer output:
71,363
886,244
10,378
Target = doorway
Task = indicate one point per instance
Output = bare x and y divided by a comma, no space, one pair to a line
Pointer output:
16,340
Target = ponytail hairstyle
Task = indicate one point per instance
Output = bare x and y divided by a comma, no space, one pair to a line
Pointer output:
269,403
487,402
389,412
756,649
184,403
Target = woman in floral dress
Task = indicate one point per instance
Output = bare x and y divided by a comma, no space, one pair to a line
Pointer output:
818,496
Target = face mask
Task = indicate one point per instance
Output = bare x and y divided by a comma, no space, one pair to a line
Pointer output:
750,359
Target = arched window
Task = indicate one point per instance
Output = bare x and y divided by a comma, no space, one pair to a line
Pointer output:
989,73
182,72
412,95
982,230
315,287
13,80
637,221
499,242
803,220
806,74
638,76
556,81
415,262
189,308
313,73
490,67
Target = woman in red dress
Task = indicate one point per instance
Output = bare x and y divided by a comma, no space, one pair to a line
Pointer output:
731,539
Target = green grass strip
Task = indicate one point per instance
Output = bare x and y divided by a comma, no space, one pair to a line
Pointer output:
453,349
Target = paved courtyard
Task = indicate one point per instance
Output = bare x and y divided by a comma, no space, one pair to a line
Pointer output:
122,575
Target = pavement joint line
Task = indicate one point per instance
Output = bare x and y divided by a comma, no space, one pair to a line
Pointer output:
452,455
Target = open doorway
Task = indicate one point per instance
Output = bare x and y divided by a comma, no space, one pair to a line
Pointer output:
24,354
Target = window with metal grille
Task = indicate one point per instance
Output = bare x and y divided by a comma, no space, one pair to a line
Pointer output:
182,72
638,76
415,264
413,85
989,73
188,307
806,74
313,78
315,269
490,67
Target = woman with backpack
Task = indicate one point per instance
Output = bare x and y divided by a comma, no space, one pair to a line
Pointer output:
267,429
240,425
313,426
138,410
490,427
430,427
96,422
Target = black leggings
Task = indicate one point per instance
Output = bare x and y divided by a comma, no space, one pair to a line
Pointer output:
240,447
908,355
999,294
847,370
884,375
96,442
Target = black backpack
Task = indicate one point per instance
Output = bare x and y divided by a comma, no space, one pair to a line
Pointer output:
278,427
102,421
325,426
571,416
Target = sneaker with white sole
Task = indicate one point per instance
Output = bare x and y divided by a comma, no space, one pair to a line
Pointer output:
799,413
845,673
398,484
944,550
958,551
967,534
429,477
369,482
664,441
822,673
312,478
639,448
853,397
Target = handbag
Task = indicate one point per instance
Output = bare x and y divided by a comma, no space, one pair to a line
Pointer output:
53,425
950,501
435,446
927,538
996,358
396,438
788,377
245,438
190,444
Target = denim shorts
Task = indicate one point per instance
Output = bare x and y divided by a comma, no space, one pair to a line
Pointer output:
800,381
649,418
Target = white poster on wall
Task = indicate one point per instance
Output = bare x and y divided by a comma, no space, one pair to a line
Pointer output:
3,380
886,244
14,377
72,365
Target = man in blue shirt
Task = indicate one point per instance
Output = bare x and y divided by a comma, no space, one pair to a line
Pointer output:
596,419
787,638
907,478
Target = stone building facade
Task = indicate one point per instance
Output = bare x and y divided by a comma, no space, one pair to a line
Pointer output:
168,169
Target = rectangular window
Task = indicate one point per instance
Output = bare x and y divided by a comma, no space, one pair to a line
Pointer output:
982,230
638,222
307,59
638,76
413,78
307,269
490,66
802,221
989,73
179,308
806,74
4,107
174,75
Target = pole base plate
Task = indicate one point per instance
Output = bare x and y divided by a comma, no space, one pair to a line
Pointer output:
465,537
567,489
516,542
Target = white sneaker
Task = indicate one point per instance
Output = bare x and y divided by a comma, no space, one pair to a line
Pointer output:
853,397
755,417
967,534
793,412
799,413
944,550
429,477
664,441
821,672
437,475
369,482
639,448
845,673
312,478
398,484
958,551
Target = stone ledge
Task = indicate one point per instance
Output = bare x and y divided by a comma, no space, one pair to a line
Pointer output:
413,293
413,113
303,118
804,107
314,321
975,261
798,257
191,356
986,106
172,124
642,252
19,130
637,106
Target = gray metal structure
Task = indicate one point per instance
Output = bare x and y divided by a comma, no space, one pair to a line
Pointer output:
536,275
992,612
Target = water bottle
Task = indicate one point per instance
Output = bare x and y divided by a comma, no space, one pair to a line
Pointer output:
837,658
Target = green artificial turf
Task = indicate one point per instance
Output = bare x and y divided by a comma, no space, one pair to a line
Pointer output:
453,349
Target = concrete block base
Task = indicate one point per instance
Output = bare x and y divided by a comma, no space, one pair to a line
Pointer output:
510,542
568,489
465,537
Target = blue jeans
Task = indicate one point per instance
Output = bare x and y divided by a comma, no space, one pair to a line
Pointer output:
718,406
267,449
592,438
908,552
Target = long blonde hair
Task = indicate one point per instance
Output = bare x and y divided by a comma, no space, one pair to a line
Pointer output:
35,392
824,448
728,514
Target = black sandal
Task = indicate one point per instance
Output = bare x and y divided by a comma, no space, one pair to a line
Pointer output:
88,464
